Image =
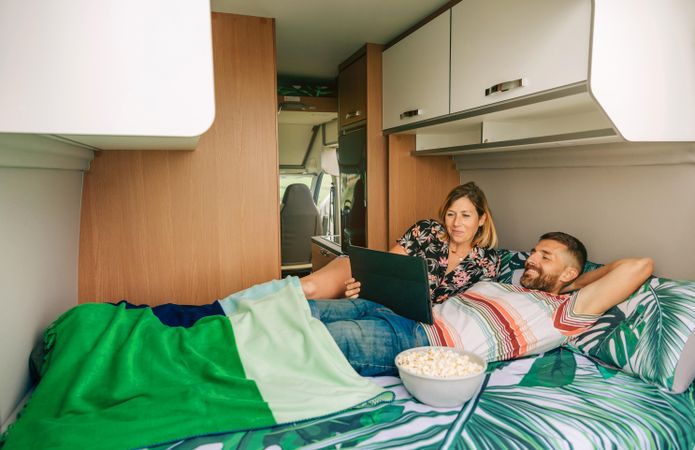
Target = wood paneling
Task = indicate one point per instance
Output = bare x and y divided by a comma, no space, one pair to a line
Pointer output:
377,155
417,185
190,227
352,95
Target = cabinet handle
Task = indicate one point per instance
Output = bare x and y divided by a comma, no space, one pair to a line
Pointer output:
410,113
323,252
353,114
506,86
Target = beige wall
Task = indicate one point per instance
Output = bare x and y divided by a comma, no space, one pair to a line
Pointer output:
39,227
191,227
620,200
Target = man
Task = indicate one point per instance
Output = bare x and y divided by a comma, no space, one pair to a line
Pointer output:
497,321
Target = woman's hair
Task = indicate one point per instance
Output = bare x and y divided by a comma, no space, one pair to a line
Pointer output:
486,236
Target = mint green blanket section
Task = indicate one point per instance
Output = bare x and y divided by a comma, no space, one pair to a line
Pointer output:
116,378
295,371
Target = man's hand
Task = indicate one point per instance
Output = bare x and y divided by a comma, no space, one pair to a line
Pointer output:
352,288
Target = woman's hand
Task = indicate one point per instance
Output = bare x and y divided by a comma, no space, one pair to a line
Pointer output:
352,288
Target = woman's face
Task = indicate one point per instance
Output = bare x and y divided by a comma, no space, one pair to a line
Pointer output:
462,221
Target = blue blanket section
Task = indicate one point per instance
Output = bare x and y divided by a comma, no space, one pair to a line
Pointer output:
185,316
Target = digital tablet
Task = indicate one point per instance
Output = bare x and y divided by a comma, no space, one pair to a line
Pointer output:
398,282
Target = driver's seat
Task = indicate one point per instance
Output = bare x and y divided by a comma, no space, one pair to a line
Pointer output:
299,221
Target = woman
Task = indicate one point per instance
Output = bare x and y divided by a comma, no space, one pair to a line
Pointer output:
458,249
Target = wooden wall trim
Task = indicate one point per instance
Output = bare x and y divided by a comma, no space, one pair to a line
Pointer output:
417,185
191,227
377,156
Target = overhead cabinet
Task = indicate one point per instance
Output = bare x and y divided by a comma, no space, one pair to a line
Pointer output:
416,75
115,74
352,92
504,49
557,72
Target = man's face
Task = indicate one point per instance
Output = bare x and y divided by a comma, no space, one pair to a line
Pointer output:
544,267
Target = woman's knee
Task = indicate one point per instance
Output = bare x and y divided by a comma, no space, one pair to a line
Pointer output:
308,287
329,281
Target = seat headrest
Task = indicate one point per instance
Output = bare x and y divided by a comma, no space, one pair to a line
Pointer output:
298,197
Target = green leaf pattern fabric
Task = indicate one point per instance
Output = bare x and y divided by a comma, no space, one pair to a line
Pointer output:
644,336
552,370
648,343
561,399
517,409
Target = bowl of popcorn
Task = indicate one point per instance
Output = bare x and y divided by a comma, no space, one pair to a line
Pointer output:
443,377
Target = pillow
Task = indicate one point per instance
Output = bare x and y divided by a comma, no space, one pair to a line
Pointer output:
512,265
651,335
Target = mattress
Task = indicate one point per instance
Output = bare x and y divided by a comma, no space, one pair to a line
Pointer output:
559,400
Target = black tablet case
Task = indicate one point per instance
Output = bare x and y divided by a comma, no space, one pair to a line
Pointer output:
398,282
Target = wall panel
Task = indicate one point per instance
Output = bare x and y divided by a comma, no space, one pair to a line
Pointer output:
190,227
417,185
377,156
621,200
39,228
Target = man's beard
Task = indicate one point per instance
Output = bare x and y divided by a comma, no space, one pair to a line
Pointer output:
543,282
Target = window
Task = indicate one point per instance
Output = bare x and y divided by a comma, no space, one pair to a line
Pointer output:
325,187
326,203
290,178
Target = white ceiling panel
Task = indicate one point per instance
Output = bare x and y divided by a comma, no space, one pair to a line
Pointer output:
315,36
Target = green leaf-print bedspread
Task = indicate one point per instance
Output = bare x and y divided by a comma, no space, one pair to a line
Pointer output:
557,400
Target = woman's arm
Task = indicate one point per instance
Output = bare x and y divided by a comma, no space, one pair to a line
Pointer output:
334,280
398,249
352,286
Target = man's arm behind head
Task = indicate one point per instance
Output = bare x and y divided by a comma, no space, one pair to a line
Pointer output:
605,287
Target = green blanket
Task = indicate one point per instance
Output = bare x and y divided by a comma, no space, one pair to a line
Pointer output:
117,378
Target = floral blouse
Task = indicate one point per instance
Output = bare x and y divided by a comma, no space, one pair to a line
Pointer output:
424,240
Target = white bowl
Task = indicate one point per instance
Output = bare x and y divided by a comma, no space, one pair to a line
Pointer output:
442,392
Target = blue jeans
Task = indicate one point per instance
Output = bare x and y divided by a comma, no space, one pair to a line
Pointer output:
369,334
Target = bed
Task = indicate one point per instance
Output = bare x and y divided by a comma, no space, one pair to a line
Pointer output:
558,400
612,387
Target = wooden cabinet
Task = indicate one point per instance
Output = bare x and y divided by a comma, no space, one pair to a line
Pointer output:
164,226
503,49
352,92
416,75
120,74
359,89
544,73
321,254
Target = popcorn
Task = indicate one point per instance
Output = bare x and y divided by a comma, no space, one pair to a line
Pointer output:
438,362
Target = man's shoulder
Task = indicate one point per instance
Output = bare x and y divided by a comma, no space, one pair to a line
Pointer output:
507,288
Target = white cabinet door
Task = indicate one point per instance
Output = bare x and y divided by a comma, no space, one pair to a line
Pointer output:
110,73
416,75
497,43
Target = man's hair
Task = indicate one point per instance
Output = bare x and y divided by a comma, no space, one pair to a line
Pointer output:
574,246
